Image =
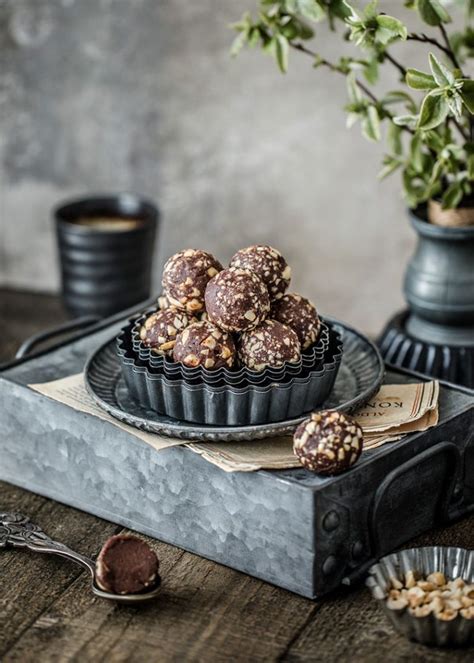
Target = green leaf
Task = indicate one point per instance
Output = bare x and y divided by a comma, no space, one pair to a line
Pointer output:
441,74
355,95
310,9
281,52
433,141
238,43
418,80
396,96
390,164
416,154
435,176
467,95
244,23
394,139
406,121
452,196
434,111
414,190
389,28
371,124
254,37
371,71
433,12
470,166
455,106
270,46
338,8
370,10
352,118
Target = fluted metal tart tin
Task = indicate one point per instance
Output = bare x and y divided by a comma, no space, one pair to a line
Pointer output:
310,359
454,563
224,404
359,378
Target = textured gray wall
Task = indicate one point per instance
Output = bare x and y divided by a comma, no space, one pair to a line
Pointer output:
142,95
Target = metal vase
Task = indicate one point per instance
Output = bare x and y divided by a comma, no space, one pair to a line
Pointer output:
436,335
439,284
105,271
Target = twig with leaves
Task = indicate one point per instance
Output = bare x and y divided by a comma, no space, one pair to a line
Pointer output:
437,156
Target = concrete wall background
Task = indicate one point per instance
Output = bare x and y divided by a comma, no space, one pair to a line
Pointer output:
142,95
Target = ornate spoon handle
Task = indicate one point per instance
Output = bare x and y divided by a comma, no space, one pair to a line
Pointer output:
18,531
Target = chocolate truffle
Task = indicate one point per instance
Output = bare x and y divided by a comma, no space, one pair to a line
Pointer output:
163,302
269,264
269,344
236,300
160,329
185,276
126,565
329,442
298,313
204,344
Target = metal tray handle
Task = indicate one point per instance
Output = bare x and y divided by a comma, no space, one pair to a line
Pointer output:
455,464
451,451
71,325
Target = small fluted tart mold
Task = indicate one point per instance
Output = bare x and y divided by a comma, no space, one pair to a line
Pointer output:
311,358
428,630
229,404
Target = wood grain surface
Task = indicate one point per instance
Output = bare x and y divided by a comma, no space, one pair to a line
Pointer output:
206,612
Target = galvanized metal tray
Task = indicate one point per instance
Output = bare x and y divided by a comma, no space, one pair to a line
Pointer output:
292,528
360,376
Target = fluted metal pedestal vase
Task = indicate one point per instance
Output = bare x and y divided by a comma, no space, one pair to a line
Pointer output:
436,334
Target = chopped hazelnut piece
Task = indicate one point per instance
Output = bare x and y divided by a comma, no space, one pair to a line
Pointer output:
397,604
396,584
437,578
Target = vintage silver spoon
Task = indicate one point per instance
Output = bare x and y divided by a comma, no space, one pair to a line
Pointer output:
18,531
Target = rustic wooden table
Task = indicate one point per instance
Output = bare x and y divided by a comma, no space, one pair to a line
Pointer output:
206,612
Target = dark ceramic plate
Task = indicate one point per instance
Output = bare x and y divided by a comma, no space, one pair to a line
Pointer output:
359,378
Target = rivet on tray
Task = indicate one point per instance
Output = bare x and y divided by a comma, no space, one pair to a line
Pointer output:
329,565
357,550
331,521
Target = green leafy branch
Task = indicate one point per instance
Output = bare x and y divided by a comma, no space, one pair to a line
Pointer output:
433,160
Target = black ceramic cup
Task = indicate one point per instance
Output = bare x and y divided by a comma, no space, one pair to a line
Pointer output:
106,246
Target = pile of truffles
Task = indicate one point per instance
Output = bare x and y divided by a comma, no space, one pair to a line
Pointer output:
215,317
446,599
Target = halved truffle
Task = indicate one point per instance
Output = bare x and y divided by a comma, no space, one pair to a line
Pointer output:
126,565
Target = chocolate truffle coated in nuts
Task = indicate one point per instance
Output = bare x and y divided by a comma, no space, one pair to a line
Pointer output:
298,313
328,442
237,300
160,329
126,565
204,344
185,276
269,264
269,344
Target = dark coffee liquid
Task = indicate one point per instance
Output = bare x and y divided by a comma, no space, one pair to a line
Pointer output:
111,224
